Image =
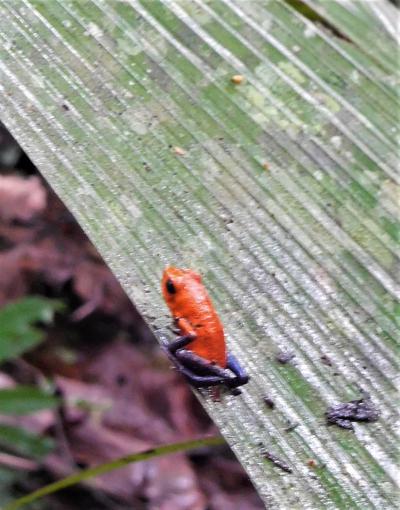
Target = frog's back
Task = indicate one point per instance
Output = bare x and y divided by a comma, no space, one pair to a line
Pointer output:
190,301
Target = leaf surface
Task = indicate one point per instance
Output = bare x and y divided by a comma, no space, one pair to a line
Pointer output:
282,191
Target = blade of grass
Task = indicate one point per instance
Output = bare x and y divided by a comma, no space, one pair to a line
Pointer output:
86,474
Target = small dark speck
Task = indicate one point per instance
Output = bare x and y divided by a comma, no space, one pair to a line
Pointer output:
58,392
269,402
326,360
292,426
65,107
284,357
121,379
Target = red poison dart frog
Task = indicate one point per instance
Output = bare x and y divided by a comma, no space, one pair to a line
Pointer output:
199,352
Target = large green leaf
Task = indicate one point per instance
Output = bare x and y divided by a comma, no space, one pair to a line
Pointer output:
286,198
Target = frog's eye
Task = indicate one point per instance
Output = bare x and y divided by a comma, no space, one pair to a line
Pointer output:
170,286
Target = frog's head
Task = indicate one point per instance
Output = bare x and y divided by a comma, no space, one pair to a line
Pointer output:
176,282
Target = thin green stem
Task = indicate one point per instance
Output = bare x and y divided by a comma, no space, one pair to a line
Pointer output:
110,466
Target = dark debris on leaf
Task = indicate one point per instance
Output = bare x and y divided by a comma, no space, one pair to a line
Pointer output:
284,357
326,360
344,414
269,402
277,462
292,426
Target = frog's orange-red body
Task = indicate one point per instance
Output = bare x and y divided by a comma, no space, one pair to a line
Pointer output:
194,314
